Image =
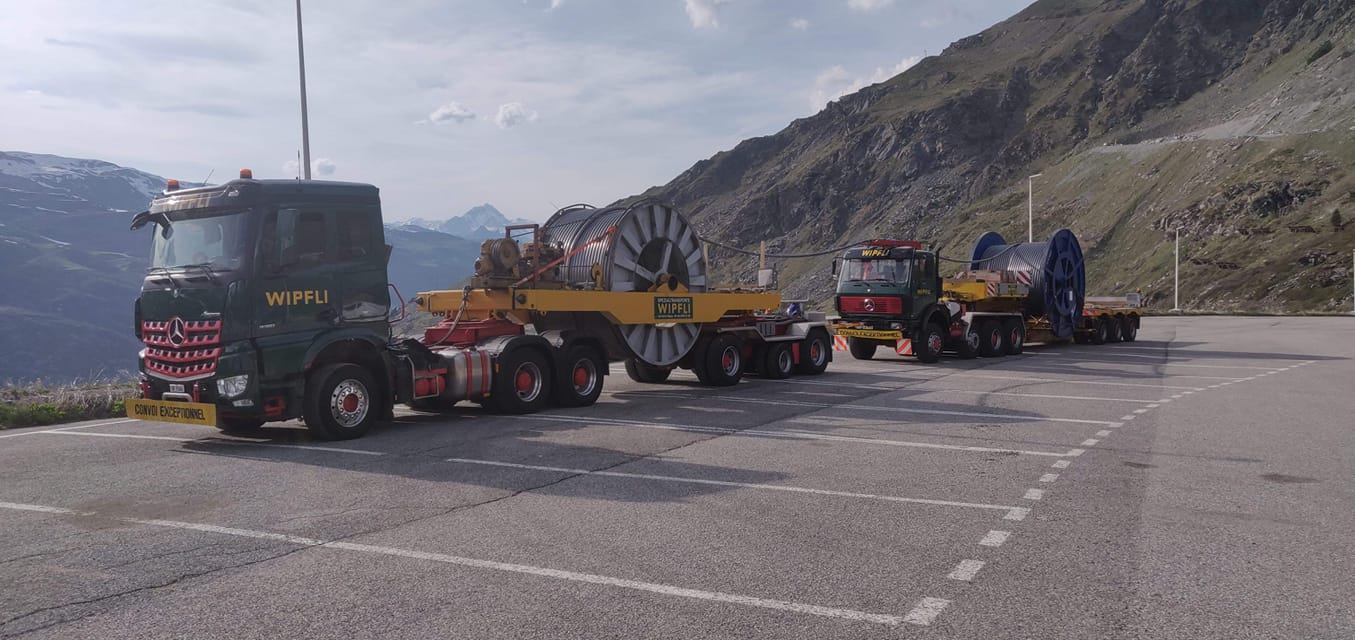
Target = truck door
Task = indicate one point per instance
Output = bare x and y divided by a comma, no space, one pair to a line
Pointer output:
297,267
363,298
926,286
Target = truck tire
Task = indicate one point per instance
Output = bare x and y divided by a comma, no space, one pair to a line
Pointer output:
992,341
579,382
723,361
967,347
1015,331
861,348
1101,333
777,361
645,372
341,402
815,350
522,382
929,344
1113,329
1129,328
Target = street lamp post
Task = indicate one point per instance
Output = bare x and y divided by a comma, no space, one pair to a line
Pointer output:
1030,207
305,125
1176,307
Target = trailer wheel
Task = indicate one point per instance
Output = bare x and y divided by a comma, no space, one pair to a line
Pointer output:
861,349
814,351
723,361
1101,334
1015,331
967,347
777,361
993,343
522,383
580,380
1129,328
1113,329
340,402
645,372
929,345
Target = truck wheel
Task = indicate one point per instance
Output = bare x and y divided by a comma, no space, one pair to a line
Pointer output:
927,347
777,361
341,402
1113,329
814,352
967,347
1102,332
1015,331
723,361
861,348
239,425
1129,329
645,372
993,343
580,381
522,383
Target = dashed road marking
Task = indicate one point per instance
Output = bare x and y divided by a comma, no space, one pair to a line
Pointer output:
727,483
864,407
1103,433
966,570
923,614
1128,417
1018,513
926,611
1090,442
995,538
1061,464
1140,411
1049,477
888,387
1034,494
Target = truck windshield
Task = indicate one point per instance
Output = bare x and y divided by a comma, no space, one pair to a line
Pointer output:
219,241
858,270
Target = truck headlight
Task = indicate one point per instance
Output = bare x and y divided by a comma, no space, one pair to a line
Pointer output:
232,386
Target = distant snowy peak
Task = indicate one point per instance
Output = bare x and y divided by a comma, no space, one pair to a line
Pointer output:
77,180
479,223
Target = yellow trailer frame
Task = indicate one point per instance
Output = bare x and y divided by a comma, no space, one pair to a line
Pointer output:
619,307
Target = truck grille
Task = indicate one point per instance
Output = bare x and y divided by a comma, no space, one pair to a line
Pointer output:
181,349
870,304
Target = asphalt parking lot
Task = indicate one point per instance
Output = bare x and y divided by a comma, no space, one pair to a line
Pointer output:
1196,483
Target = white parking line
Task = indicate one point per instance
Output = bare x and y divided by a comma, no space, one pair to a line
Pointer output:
1031,379
727,483
62,429
557,574
1109,373
1034,494
1049,477
788,434
1089,442
1060,464
995,538
886,387
941,412
1157,363
1128,417
926,611
1103,433
210,440
966,570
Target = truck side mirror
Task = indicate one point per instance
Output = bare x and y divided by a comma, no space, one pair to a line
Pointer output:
140,220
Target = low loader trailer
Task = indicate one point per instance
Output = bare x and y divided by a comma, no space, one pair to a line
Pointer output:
269,300
890,294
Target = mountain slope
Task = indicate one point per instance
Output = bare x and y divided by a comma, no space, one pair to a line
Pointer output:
1223,117
477,223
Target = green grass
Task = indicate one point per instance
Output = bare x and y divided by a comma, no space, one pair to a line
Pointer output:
38,404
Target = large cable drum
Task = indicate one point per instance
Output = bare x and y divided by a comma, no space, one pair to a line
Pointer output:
654,249
1054,270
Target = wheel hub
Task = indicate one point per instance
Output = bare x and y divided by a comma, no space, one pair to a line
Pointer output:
349,403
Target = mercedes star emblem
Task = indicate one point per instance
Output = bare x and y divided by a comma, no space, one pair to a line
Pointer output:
869,304
178,331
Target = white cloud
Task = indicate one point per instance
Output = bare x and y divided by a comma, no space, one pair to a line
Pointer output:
868,5
451,112
323,167
799,24
291,168
836,81
513,114
702,13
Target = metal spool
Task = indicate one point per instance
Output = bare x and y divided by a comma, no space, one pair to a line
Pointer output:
654,249
1054,270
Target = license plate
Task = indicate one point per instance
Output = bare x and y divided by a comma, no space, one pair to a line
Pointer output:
167,411
175,388
870,334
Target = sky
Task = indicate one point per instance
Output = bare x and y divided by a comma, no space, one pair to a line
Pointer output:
445,104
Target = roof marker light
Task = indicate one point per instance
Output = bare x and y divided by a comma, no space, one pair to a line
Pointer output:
172,185
246,174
